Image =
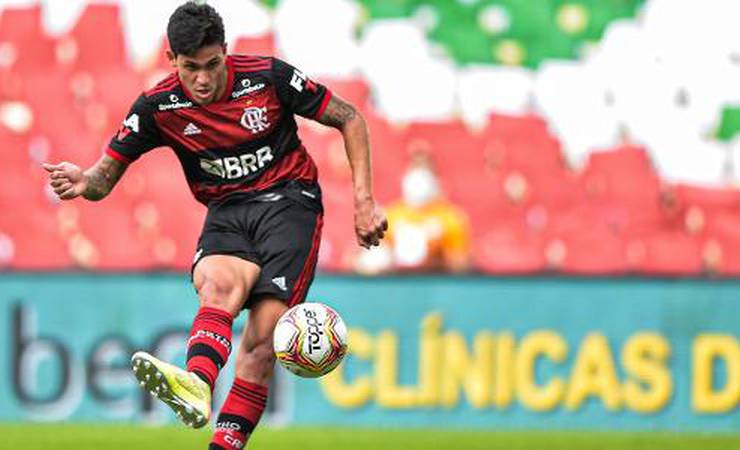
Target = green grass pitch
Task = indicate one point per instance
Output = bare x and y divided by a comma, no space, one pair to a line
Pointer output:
105,437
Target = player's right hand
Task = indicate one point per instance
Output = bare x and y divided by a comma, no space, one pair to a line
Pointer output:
370,223
66,179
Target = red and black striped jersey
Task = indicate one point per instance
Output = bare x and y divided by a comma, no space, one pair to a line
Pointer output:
245,141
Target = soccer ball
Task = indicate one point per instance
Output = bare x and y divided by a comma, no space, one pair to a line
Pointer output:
310,340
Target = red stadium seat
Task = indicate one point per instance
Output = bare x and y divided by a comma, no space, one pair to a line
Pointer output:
354,90
99,38
326,147
161,62
624,180
263,45
707,198
483,197
624,175
453,147
117,90
594,251
110,227
522,142
508,247
504,125
34,230
21,28
338,239
181,222
729,245
390,157
671,252
524,146
62,119
15,150
591,237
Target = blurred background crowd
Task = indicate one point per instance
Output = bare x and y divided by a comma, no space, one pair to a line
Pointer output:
508,136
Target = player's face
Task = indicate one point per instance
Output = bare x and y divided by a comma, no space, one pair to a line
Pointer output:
204,74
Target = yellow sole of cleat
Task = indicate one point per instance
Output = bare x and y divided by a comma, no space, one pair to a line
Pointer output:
155,381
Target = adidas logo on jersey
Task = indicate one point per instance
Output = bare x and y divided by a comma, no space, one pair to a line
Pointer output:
191,129
280,282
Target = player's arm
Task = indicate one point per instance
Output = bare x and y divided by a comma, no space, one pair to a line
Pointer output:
69,181
138,134
370,223
309,99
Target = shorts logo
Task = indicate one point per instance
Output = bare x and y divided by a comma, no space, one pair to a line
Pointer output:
232,167
255,119
197,255
280,282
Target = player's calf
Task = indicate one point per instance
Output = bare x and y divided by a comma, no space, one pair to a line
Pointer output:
239,415
209,345
222,283
255,362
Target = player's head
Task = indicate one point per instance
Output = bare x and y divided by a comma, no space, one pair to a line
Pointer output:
198,50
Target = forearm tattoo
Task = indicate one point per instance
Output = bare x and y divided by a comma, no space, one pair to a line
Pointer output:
102,177
337,113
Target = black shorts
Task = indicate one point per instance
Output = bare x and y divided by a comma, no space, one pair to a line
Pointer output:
278,229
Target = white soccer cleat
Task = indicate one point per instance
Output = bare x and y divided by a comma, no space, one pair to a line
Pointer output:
183,391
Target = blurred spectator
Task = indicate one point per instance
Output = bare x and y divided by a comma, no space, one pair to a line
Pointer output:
427,232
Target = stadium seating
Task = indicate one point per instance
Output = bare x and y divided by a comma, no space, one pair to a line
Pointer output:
557,169
25,44
99,39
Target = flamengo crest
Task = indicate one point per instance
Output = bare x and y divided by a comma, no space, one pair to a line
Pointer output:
255,119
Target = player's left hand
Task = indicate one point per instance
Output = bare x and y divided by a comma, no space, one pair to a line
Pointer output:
370,223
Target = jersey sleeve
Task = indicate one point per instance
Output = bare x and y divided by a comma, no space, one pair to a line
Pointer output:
297,92
138,133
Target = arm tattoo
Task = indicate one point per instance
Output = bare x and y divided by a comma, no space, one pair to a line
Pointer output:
337,113
102,177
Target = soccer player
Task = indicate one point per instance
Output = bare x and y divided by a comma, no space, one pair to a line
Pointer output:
230,120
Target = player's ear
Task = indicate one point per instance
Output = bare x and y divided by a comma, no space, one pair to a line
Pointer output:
172,58
223,47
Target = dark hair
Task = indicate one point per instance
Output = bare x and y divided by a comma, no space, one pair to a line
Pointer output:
192,26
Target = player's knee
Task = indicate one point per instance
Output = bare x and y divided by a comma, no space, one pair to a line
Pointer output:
220,287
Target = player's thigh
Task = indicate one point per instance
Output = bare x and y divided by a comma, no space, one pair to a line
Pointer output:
224,281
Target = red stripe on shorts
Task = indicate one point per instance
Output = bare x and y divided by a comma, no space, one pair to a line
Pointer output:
304,278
